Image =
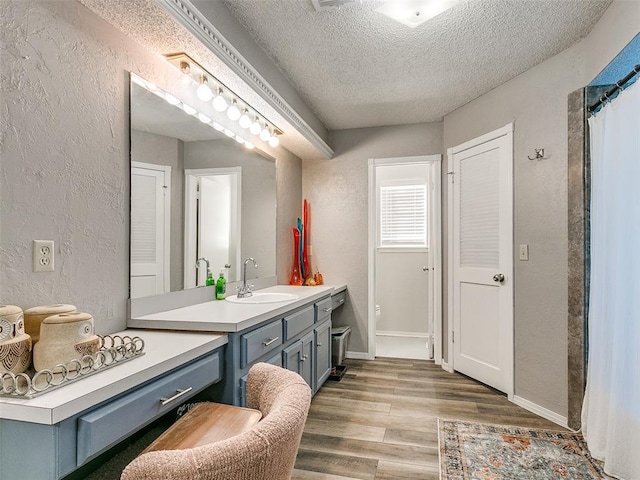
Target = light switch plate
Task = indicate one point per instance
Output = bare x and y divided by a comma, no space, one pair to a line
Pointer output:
524,252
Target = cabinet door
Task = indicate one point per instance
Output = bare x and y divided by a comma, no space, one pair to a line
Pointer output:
322,354
291,357
306,359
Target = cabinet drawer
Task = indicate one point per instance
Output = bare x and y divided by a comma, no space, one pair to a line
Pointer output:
323,309
298,322
338,300
255,344
103,427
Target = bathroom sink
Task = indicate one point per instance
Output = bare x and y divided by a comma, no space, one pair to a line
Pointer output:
264,297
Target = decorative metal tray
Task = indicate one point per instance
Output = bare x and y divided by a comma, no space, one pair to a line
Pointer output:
114,350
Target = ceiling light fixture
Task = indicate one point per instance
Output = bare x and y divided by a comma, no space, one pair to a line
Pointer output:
414,12
223,100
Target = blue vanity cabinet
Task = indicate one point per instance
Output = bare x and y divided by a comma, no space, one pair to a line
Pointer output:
49,452
290,337
298,358
322,358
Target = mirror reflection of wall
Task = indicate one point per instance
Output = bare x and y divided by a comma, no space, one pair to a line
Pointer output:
194,193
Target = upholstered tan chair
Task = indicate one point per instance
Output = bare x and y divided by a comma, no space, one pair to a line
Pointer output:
266,452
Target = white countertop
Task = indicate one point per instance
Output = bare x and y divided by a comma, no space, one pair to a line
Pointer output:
224,316
164,351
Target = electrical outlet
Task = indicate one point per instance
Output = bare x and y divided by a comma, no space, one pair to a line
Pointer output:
524,252
43,255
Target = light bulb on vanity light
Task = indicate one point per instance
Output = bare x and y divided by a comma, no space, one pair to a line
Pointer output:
203,118
171,100
239,139
229,133
234,112
245,120
274,141
249,145
217,126
265,134
204,92
185,68
255,127
219,103
189,109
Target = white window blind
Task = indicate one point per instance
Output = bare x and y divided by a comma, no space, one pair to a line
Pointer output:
403,215
143,219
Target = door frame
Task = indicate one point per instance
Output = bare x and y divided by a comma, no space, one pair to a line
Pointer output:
506,130
435,250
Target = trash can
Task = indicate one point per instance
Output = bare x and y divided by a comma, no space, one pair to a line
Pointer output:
339,341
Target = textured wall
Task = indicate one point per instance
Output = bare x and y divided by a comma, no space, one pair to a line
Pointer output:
65,149
64,144
338,192
537,102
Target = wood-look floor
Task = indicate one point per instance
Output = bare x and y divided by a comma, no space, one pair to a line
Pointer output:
380,421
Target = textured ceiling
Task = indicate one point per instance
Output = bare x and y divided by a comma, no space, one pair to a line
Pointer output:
358,68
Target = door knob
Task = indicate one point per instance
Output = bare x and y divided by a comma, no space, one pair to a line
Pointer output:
425,269
498,277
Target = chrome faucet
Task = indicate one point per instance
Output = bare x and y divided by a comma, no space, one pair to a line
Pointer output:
245,290
203,259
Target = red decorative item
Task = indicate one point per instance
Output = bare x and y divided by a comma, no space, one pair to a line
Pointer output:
306,266
296,278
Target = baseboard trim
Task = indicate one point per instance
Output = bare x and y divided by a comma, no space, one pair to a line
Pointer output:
538,410
445,366
389,333
359,355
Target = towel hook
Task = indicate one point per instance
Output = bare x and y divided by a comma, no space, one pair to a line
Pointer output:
539,153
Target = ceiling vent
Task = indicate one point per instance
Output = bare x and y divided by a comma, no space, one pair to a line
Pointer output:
322,5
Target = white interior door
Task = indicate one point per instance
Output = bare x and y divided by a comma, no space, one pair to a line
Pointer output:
150,210
482,185
212,222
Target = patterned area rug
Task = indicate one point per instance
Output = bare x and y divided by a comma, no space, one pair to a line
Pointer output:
475,451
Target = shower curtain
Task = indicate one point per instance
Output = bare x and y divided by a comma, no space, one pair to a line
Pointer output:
611,409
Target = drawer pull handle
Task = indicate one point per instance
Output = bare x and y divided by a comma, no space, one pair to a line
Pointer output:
266,343
179,393
304,357
328,309
341,301
319,344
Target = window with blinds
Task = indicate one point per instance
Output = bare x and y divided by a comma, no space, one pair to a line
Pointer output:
403,215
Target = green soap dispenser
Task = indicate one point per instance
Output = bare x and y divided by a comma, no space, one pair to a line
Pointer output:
221,286
210,280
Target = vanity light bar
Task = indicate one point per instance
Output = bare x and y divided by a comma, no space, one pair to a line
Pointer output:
209,87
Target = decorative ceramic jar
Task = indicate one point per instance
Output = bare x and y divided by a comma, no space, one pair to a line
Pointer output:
33,317
15,344
65,337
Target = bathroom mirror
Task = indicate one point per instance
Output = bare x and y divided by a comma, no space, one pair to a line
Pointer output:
195,193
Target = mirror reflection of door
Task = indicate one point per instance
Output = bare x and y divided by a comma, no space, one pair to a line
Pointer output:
212,222
150,218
